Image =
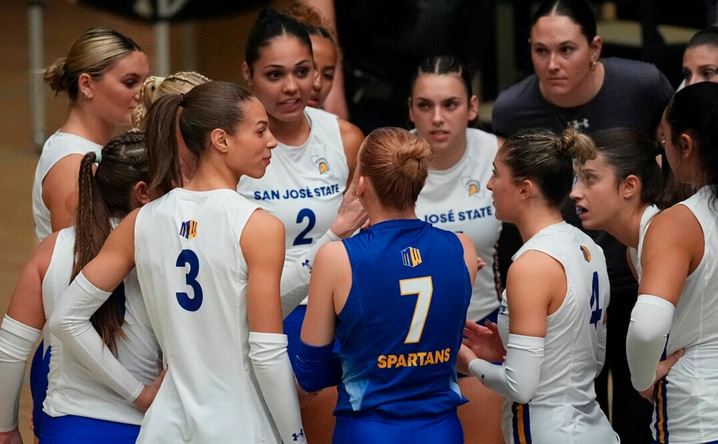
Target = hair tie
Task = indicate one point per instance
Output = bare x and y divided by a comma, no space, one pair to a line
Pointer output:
182,101
98,155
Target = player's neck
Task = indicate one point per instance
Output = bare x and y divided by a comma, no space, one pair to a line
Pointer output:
536,219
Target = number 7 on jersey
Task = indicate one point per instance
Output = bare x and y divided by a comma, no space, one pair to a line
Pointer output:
423,288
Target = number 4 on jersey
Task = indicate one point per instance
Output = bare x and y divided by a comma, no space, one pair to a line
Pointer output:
596,310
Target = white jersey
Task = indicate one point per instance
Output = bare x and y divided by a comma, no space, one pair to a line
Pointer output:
194,278
457,200
564,408
686,406
57,146
303,186
635,253
72,389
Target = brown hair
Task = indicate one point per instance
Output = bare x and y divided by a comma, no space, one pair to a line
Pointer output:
547,159
311,19
93,53
206,107
155,87
104,195
397,163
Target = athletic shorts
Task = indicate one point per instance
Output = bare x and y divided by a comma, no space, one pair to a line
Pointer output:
39,370
376,429
71,429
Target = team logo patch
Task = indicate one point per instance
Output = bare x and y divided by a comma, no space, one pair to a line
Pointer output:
473,187
586,253
321,164
188,229
411,257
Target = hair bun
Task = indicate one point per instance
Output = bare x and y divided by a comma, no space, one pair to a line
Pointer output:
412,157
577,145
56,75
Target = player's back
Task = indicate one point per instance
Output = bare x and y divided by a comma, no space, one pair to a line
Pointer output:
564,406
194,280
401,327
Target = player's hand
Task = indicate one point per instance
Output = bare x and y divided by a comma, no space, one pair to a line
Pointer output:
480,264
484,341
352,215
148,393
662,371
11,437
465,356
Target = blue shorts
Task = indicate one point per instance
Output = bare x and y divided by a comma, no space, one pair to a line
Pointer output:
493,317
39,369
81,430
377,429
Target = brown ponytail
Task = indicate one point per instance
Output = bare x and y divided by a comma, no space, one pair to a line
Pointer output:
104,195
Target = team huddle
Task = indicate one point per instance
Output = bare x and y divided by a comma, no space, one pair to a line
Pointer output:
241,261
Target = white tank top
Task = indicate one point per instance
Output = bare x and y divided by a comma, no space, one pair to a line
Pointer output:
303,186
686,407
635,253
194,278
564,407
457,200
57,146
72,389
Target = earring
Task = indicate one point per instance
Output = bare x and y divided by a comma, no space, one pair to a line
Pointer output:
592,65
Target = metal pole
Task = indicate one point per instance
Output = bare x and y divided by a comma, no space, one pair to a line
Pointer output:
162,48
35,56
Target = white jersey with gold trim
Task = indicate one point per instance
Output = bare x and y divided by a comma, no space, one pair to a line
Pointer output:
72,388
564,408
457,200
303,186
194,279
686,405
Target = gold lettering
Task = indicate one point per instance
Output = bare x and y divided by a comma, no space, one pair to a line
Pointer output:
381,361
390,361
401,362
429,359
412,360
421,357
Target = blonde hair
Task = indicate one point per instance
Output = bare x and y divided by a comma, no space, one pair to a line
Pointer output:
548,159
155,87
92,53
397,163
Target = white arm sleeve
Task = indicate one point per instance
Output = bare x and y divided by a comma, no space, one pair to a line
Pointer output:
518,377
70,322
651,320
294,286
268,353
16,342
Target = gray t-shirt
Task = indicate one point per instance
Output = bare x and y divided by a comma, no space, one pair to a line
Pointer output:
633,95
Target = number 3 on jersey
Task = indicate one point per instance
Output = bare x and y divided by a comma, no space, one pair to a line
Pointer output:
423,288
596,310
189,257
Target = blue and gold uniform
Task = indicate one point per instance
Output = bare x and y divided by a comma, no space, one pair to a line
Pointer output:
399,333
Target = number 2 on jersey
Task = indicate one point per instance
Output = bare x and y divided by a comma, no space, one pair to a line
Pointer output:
189,257
305,213
596,310
423,288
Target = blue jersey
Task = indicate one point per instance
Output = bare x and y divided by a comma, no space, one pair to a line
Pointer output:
401,327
